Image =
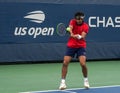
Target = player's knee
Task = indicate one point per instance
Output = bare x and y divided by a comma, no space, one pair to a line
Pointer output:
65,63
83,64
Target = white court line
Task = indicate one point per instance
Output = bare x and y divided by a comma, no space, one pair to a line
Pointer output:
69,90
96,87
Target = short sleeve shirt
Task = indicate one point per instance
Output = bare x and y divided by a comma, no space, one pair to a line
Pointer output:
77,29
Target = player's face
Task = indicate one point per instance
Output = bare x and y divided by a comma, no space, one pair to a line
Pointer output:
79,21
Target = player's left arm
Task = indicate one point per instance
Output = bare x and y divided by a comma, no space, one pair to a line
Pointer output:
83,35
84,32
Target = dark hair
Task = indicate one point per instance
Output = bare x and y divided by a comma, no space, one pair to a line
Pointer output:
79,15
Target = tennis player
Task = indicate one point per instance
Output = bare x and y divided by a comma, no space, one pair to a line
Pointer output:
76,46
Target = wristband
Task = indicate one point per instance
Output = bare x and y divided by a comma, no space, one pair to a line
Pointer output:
79,37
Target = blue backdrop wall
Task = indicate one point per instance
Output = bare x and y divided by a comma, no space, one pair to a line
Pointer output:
28,30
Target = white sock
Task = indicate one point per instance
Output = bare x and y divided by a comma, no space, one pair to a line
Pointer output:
85,79
63,80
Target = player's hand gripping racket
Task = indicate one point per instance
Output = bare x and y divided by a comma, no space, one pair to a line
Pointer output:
61,29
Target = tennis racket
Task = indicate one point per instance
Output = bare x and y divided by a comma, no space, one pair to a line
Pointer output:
61,29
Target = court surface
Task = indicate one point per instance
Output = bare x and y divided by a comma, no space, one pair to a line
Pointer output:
45,77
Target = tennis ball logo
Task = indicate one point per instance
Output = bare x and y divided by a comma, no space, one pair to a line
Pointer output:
36,16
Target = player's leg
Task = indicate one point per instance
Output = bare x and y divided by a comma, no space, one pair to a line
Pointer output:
70,52
66,61
82,59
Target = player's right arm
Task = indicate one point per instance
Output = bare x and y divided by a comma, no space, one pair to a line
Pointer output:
71,28
71,33
71,24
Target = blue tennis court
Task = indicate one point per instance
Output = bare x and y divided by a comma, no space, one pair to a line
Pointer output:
103,89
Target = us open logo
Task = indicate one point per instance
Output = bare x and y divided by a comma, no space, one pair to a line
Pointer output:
37,17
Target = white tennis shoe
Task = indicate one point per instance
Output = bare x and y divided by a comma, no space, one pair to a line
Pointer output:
62,86
86,84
